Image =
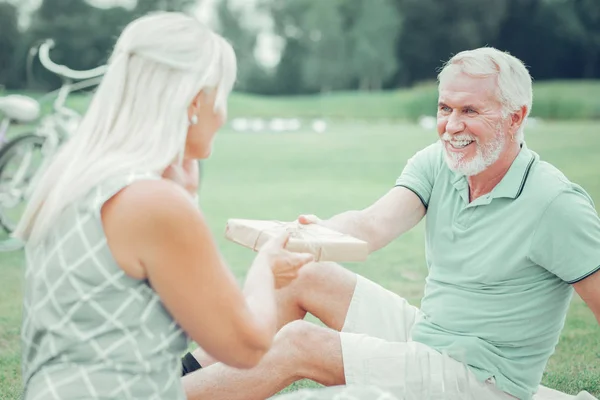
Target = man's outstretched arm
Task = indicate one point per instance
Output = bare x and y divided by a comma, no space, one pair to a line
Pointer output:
589,290
395,213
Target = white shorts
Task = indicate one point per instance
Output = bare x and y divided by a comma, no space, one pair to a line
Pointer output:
378,350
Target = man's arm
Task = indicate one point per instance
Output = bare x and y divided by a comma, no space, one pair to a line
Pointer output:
396,212
566,242
589,290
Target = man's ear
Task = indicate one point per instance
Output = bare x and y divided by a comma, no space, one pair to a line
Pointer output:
517,118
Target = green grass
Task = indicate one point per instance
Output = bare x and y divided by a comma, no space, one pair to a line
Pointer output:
11,267
278,176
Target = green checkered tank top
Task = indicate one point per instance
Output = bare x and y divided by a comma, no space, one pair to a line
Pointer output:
89,331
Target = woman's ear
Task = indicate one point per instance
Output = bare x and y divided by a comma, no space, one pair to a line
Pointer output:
194,106
197,100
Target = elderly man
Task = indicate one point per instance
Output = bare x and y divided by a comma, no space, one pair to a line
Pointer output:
508,239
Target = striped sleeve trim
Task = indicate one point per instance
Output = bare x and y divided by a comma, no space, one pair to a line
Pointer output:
415,192
585,276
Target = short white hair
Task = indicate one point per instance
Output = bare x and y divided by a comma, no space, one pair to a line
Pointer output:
138,117
512,77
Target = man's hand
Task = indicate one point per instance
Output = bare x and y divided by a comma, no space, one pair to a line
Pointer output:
307,219
394,213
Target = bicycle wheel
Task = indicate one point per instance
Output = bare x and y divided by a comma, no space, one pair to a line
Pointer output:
20,160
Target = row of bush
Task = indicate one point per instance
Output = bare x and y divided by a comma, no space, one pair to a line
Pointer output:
558,100
562,100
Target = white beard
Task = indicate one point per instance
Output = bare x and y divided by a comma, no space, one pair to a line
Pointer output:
485,155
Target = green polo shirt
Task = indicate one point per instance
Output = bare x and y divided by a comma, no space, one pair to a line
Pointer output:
500,268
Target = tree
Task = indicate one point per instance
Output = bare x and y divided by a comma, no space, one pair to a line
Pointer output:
243,40
287,17
84,35
548,36
373,41
289,77
325,67
144,6
9,41
588,13
432,31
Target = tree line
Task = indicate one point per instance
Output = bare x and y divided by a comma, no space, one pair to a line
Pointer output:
327,45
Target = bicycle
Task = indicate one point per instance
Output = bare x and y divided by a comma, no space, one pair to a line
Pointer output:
24,157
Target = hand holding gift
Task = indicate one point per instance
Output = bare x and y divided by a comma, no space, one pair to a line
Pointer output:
322,242
284,264
307,219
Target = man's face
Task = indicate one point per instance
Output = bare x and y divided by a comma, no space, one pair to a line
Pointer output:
470,123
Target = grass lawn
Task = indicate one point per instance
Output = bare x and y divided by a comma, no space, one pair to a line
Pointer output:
278,176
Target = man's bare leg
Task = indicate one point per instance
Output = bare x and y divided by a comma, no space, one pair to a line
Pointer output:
322,289
300,350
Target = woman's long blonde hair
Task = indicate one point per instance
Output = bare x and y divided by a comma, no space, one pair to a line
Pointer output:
138,117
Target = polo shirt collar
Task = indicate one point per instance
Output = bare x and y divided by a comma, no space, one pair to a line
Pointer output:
512,183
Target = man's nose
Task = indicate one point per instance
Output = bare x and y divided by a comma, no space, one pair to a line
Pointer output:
454,123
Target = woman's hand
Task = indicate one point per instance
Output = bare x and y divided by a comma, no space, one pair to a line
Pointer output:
284,264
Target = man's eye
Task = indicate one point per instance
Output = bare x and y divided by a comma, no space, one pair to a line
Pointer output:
470,111
445,108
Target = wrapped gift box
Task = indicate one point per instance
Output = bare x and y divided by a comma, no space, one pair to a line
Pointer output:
325,244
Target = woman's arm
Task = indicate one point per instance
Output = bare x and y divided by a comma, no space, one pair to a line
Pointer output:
156,233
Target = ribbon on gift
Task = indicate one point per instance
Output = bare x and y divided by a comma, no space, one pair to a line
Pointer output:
298,231
324,243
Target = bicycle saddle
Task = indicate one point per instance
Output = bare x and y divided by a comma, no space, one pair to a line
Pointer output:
20,108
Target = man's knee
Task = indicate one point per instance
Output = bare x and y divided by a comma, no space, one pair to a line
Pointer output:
300,339
313,351
314,271
308,283
323,276
295,336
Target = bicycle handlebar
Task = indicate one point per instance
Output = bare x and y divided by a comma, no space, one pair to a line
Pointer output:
65,71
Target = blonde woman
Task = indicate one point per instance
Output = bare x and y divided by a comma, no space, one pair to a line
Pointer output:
122,269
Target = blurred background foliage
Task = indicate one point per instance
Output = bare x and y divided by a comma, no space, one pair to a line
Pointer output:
329,46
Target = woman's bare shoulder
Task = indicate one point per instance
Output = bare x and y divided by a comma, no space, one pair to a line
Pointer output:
143,214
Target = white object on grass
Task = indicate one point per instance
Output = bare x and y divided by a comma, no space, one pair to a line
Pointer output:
240,124
319,126
427,122
277,125
257,125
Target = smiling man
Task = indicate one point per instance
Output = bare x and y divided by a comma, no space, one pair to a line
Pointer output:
508,240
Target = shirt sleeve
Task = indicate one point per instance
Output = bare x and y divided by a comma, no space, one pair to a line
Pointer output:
420,172
567,239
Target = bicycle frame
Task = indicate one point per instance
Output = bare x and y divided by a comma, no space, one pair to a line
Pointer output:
55,127
4,125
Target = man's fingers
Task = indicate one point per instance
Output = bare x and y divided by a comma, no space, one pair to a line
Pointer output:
309,219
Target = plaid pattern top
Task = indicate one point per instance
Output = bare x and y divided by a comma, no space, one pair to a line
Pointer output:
90,331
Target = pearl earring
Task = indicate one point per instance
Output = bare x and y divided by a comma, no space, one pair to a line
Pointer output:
194,120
